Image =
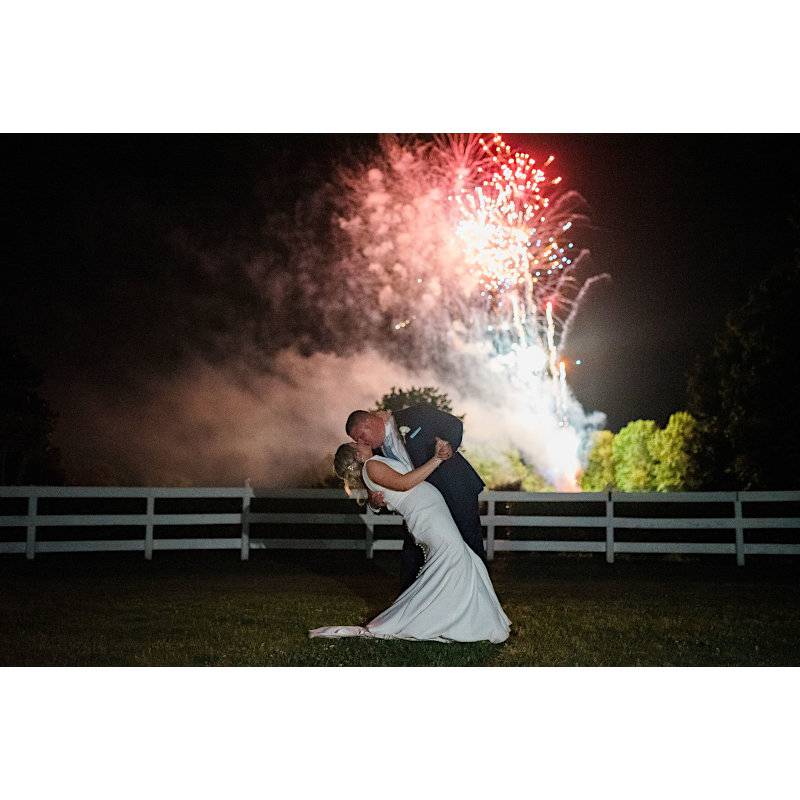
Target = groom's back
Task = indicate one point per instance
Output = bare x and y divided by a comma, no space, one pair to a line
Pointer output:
456,477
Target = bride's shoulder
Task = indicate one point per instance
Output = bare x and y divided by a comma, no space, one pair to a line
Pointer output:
373,460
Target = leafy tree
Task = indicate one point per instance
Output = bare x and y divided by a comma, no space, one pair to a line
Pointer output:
530,480
745,392
634,465
398,399
599,473
675,454
508,472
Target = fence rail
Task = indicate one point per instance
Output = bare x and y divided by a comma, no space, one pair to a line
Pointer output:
735,515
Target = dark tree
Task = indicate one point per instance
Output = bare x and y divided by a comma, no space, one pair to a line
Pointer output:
26,424
745,392
398,399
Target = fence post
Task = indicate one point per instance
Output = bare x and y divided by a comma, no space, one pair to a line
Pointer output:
148,529
369,540
739,531
30,540
246,497
609,529
490,531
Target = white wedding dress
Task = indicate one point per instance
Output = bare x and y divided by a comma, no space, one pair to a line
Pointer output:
452,598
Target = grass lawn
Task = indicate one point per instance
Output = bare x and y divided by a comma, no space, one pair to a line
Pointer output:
208,608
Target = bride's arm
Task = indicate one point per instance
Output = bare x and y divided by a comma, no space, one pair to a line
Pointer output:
381,473
385,476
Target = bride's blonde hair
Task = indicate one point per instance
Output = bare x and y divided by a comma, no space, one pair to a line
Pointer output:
347,466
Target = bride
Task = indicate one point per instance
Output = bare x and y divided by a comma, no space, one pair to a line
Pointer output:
452,598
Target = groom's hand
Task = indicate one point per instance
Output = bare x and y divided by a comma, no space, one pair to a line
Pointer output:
444,450
376,499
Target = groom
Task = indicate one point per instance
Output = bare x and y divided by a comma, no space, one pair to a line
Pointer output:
410,437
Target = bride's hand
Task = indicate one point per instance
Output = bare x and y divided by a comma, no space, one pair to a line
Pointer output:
375,499
444,450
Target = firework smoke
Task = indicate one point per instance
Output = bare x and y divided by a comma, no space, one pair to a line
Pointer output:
278,428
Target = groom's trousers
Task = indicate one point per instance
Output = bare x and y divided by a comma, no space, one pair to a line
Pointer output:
467,517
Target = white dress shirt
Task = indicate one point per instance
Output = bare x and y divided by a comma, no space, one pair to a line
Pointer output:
393,446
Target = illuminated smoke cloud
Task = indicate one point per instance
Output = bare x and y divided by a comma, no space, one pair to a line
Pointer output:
280,428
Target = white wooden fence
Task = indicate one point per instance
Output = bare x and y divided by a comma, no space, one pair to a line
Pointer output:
736,519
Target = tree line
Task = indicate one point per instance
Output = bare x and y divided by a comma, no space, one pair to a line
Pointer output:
741,429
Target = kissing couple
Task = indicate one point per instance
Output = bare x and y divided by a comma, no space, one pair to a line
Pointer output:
409,463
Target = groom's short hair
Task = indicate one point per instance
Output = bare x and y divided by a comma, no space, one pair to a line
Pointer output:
355,418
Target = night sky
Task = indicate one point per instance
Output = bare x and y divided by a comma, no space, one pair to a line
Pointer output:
107,231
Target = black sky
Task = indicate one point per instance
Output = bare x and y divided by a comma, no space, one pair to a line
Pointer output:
683,223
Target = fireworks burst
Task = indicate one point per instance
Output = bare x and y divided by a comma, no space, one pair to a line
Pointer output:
504,224
460,248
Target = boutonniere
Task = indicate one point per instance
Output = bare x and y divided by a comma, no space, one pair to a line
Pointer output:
404,429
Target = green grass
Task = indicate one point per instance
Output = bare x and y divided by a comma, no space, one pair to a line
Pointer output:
208,608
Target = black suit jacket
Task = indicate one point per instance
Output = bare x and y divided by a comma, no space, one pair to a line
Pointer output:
454,478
